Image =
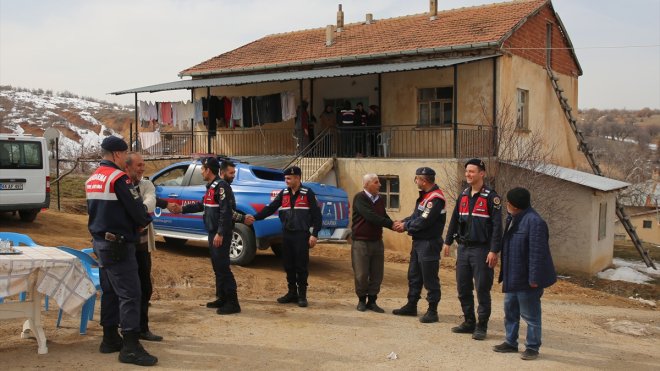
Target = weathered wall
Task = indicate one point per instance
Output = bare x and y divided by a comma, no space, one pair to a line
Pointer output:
648,235
545,113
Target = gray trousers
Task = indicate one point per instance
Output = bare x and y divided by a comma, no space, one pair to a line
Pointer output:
368,258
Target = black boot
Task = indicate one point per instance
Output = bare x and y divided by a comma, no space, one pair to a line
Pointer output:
467,327
410,309
231,305
132,352
371,304
431,314
302,296
481,330
111,342
362,303
289,297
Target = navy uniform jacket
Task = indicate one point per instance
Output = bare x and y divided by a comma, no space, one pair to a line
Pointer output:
219,207
477,220
428,219
113,204
297,212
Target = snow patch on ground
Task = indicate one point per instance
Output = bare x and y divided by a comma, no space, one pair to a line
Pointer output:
631,328
629,271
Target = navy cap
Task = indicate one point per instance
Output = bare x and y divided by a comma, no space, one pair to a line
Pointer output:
211,163
114,144
293,170
476,162
425,171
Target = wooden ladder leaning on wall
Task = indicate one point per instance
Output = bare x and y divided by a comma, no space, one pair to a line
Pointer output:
584,147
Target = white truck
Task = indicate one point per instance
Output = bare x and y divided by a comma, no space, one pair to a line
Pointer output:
24,175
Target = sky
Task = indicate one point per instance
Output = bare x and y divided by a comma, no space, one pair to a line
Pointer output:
93,47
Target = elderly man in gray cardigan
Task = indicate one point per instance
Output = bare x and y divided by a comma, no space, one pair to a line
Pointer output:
367,251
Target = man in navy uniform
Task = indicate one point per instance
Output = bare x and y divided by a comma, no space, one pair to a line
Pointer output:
116,217
425,225
219,206
299,213
476,224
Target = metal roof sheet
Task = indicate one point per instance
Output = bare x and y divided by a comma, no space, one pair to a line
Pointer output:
593,181
299,75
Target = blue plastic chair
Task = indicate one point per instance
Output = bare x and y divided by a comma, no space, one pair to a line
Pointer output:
18,239
91,266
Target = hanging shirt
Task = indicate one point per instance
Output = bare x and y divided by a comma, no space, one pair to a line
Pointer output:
288,102
166,113
198,108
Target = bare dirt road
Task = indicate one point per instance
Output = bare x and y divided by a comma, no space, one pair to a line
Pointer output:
583,328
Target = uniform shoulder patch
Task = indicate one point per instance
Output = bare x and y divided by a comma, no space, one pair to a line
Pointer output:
429,205
497,202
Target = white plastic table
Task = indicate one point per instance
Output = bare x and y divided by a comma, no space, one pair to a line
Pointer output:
42,271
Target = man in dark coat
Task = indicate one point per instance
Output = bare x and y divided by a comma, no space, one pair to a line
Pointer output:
527,269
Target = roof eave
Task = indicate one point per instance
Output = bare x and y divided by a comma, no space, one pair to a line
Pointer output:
347,58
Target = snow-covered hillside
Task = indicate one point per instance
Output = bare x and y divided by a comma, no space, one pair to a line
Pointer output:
25,111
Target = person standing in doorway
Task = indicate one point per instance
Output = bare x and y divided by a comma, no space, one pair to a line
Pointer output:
476,224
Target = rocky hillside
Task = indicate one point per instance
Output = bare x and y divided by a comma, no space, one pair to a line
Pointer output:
83,122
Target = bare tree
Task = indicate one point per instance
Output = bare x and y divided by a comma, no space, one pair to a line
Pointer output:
524,160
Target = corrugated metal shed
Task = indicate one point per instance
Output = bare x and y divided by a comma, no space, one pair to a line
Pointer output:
593,181
300,75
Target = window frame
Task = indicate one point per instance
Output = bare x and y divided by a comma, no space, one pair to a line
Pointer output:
522,109
646,223
385,181
602,221
444,121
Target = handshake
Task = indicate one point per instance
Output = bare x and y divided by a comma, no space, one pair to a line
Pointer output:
174,208
398,226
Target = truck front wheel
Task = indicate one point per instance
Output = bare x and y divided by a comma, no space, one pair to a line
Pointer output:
243,245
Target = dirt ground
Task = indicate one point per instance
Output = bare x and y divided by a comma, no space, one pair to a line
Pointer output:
584,328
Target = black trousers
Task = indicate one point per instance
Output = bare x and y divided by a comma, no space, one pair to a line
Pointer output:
423,270
224,278
143,258
473,271
120,299
295,257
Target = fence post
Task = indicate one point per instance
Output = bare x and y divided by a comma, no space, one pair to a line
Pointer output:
455,140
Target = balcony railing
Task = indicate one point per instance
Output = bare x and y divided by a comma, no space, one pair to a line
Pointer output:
400,141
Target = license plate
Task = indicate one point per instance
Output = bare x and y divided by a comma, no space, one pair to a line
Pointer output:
11,186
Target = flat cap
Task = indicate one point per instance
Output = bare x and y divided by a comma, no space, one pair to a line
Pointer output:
425,171
293,170
114,144
211,163
519,197
476,162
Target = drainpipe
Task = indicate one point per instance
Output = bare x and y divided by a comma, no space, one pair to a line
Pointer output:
192,123
495,149
455,118
208,132
130,135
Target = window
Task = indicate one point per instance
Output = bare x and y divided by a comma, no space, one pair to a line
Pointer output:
602,221
20,155
548,44
647,224
522,118
435,106
173,177
389,188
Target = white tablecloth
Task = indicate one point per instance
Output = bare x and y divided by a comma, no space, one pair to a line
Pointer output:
58,274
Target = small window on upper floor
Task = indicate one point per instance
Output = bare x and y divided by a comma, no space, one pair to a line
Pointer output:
435,106
389,188
522,114
647,224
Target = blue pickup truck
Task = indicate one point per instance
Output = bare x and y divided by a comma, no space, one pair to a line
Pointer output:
254,187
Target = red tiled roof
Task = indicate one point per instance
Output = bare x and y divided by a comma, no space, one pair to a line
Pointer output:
456,27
